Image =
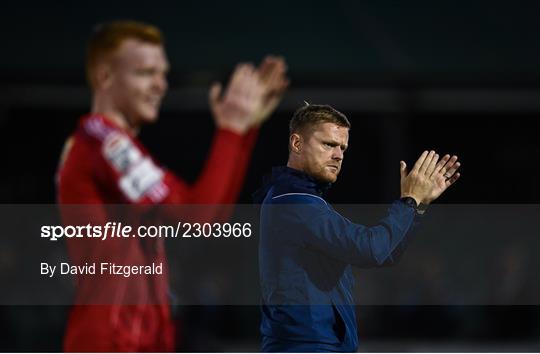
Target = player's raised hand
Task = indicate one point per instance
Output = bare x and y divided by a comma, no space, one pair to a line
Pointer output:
251,96
235,108
429,177
273,76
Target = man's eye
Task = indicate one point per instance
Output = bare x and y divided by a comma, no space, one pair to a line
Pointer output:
145,72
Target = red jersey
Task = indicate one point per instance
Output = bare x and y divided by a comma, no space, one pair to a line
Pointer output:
103,164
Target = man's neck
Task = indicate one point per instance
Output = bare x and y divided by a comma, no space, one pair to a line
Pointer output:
115,116
294,164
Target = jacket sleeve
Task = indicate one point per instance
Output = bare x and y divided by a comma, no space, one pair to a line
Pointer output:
316,225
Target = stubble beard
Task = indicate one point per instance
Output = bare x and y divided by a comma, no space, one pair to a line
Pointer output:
325,176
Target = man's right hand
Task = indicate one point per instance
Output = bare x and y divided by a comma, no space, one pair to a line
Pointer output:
251,96
429,177
234,109
273,75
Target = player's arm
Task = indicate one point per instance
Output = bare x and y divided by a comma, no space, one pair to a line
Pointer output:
248,100
272,74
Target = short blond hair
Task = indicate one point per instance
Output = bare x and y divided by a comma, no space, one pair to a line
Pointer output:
306,118
108,37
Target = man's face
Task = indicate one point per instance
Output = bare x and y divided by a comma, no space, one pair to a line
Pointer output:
138,80
322,151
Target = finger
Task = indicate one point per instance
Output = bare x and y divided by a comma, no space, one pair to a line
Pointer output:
277,86
451,162
426,162
281,66
267,67
251,92
402,169
284,84
235,85
232,86
440,164
237,73
282,62
272,77
253,85
452,170
276,80
432,164
244,83
452,180
419,162
214,94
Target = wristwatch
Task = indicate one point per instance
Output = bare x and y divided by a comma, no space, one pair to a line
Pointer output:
420,208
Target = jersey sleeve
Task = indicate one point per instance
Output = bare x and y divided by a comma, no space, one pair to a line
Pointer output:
129,169
225,168
127,173
221,178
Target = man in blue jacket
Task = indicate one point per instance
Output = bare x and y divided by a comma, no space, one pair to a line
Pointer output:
307,249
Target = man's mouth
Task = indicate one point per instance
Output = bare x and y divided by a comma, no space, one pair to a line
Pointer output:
154,101
334,167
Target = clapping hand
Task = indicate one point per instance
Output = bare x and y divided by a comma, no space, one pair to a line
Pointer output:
251,95
429,177
272,73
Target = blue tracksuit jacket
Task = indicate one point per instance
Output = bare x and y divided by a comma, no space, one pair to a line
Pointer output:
305,255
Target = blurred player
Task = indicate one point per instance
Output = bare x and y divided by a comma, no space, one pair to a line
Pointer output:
103,163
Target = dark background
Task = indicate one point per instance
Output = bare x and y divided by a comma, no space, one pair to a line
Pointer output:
459,77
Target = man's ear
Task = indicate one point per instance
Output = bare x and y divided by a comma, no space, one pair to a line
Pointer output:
295,143
104,75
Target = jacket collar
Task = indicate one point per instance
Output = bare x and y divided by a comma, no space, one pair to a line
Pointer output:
299,180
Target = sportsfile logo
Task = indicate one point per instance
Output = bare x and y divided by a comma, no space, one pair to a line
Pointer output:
110,229
120,230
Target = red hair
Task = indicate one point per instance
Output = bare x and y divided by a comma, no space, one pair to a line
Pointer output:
108,37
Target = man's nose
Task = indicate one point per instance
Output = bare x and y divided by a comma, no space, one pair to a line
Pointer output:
337,153
160,82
